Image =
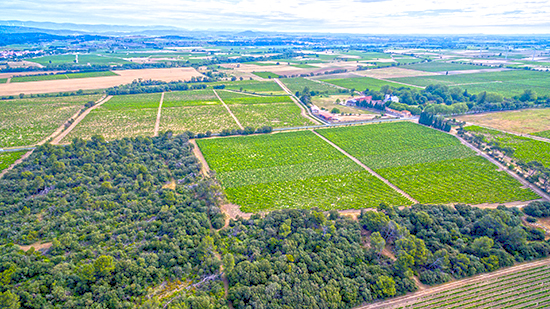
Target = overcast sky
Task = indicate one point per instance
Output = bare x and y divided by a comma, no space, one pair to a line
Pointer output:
348,16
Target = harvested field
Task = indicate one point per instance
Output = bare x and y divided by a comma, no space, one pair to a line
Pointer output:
124,77
522,121
392,72
25,122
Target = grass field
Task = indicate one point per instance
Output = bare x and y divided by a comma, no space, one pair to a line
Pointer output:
34,78
276,115
26,122
545,134
525,149
8,158
253,86
521,121
82,59
526,287
435,66
190,98
3,80
362,83
298,84
122,116
266,74
507,83
230,97
431,166
296,169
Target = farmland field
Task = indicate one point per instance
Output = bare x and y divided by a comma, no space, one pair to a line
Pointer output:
266,74
507,83
190,98
26,122
431,166
545,134
197,119
362,83
7,158
522,286
298,84
525,149
296,169
34,78
82,59
254,86
3,80
442,66
521,121
276,115
237,98
122,116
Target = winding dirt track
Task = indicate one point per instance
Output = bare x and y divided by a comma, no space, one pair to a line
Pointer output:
368,169
157,123
414,297
60,137
230,112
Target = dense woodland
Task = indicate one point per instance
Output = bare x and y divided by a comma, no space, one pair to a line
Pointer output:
131,224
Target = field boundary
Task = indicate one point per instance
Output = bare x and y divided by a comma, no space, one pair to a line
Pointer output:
60,137
307,114
409,299
389,81
230,112
368,169
157,123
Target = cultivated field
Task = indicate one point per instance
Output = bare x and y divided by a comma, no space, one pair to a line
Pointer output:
362,83
266,74
190,98
296,169
525,149
299,83
442,66
276,115
254,86
519,287
507,83
431,166
8,158
197,119
122,116
240,98
26,122
34,78
521,121
123,77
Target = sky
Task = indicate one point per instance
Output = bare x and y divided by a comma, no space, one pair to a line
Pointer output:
333,16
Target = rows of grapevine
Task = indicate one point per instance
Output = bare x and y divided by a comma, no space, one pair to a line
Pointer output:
190,98
296,169
298,84
524,289
230,97
431,166
525,149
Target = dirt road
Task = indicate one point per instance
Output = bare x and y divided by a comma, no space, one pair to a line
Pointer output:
367,168
307,114
157,123
230,112
18,161
414,297
60,137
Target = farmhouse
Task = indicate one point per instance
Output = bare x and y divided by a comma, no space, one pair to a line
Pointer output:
403,113
328,116
315,109
354,101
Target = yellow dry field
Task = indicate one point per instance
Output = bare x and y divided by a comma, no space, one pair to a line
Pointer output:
283,68
124,77
522,121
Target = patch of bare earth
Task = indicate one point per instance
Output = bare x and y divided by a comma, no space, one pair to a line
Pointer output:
124,77
393,73
37,246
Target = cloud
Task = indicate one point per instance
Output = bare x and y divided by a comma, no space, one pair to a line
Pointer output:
345,16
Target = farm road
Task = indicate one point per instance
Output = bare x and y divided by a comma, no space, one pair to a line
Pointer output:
367,168
157,123
502,167
60,137
409,299
230,112
297,101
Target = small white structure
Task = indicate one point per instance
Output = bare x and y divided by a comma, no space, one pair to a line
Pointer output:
315,109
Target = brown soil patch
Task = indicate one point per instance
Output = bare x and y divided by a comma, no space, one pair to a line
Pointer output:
518,204
170,185
37,246
124,77
205,169
522,121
